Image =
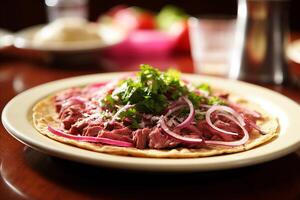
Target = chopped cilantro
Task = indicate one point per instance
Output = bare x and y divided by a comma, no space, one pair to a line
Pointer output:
204,87
133,116
213,100
151,90
196,99
108,102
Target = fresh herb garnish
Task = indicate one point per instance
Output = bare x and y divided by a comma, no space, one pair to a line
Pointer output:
214,100
133,116
205,88
151,90
196,99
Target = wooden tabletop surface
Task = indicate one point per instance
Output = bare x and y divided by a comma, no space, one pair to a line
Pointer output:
30,174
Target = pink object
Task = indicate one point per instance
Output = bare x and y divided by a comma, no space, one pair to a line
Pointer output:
89,138
144,42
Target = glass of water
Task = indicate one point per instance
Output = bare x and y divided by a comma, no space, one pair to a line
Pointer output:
212,40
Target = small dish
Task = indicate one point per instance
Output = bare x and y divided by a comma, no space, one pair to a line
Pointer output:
141,43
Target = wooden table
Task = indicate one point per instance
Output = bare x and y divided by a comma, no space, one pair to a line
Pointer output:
29,174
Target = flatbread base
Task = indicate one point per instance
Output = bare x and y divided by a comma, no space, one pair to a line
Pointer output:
44,114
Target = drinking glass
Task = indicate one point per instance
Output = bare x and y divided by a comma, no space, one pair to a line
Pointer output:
66,8
211,40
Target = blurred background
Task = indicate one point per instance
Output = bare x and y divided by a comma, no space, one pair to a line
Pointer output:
18,14
258,41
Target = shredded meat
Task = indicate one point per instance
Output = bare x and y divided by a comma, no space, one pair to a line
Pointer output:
64,96
160,140
115,135
141,138
71,115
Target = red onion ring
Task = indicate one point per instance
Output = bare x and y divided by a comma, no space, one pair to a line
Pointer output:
242,141
226,109
89,138
174,109
176,136
190,117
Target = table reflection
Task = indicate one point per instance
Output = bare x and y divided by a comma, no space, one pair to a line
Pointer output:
80,180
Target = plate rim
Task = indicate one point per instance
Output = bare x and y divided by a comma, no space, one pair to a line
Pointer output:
134,163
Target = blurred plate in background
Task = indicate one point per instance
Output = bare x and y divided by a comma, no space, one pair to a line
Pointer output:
109,37
6,38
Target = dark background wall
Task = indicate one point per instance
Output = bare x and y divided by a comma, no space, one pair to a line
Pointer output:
18,14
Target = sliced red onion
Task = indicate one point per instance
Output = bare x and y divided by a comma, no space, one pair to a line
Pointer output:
223,109
89,138
254,126
248,122
174,109
176,136
242,141
236,120
229,117
120,111
190,117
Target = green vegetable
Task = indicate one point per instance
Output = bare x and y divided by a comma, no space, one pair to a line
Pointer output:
204,87
196,99
133,116
213,100
151,90
108,102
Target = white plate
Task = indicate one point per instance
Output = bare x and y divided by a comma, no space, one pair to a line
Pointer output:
16,118
110,36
